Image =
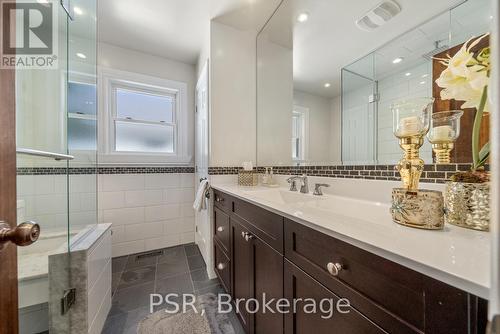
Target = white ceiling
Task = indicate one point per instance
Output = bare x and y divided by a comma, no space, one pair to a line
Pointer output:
330,40
451,28
175,29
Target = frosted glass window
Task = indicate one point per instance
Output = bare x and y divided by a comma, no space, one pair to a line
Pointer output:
144,137
144,106
82,134
81,98
144,120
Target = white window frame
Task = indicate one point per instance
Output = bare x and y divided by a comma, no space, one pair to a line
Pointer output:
304,147
110,80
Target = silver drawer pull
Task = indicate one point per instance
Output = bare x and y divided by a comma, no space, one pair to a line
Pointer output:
244,234
220,229
248,237
219,199
221,266
334,268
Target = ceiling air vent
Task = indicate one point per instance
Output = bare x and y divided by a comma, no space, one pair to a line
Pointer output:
379,15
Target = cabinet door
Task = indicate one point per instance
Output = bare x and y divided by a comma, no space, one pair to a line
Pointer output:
242,271
300,286
268,282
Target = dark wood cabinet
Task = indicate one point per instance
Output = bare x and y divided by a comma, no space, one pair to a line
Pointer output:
268,282
242,259
222,267
222,229
301,286
263,253
257,274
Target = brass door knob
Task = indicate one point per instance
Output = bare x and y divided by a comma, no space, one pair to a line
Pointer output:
22,235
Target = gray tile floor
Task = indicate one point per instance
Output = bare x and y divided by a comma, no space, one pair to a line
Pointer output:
179,269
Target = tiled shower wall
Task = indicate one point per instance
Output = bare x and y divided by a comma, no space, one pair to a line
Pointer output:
43,198
148,211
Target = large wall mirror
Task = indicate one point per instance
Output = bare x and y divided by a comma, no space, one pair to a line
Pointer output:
325,87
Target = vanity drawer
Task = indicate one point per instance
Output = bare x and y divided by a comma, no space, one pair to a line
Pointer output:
387,293
222,267
223,201
300,286
262,223
222,231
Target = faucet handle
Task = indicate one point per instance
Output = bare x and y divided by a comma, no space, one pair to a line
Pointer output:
317,188
293,183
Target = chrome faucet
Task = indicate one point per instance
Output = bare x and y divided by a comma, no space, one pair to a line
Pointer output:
304,188
317,188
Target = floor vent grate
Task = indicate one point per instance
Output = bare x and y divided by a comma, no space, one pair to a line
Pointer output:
150,254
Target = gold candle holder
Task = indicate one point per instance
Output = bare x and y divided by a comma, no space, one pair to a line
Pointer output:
411,121
411,206
445,129
411,166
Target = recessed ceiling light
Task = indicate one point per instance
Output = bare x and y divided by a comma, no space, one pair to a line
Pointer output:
491,17
425,75
407,74
303,17
422,82
81,55
78,10
327,85
397,60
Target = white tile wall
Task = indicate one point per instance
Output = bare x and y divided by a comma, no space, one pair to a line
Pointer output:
148,211
393,88
46,201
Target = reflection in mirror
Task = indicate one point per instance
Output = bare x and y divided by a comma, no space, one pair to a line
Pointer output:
306,115
406,68
294,124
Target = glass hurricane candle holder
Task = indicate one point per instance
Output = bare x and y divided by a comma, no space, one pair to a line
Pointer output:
411,121
444,131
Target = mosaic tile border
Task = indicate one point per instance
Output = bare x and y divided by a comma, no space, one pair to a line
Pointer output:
432,173
103,170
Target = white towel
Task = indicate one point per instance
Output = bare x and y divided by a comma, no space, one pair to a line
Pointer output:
199,202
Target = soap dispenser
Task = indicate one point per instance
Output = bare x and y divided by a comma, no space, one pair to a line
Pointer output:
270,180
265,177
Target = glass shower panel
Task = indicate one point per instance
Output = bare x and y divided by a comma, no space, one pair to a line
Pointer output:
42,187
359,114
82,117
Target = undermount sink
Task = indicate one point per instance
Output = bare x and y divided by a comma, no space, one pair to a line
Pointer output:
327,205
281,196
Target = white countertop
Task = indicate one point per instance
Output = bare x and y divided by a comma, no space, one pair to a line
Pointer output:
456,256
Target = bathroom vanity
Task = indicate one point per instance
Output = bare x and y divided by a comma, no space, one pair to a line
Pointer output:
262,247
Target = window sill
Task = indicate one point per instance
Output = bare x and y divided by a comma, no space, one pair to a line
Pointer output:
144,160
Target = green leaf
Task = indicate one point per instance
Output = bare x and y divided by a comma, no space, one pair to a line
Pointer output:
484,154
485,151
477,129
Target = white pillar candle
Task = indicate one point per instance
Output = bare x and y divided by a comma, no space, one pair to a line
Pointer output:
443,133
409,126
